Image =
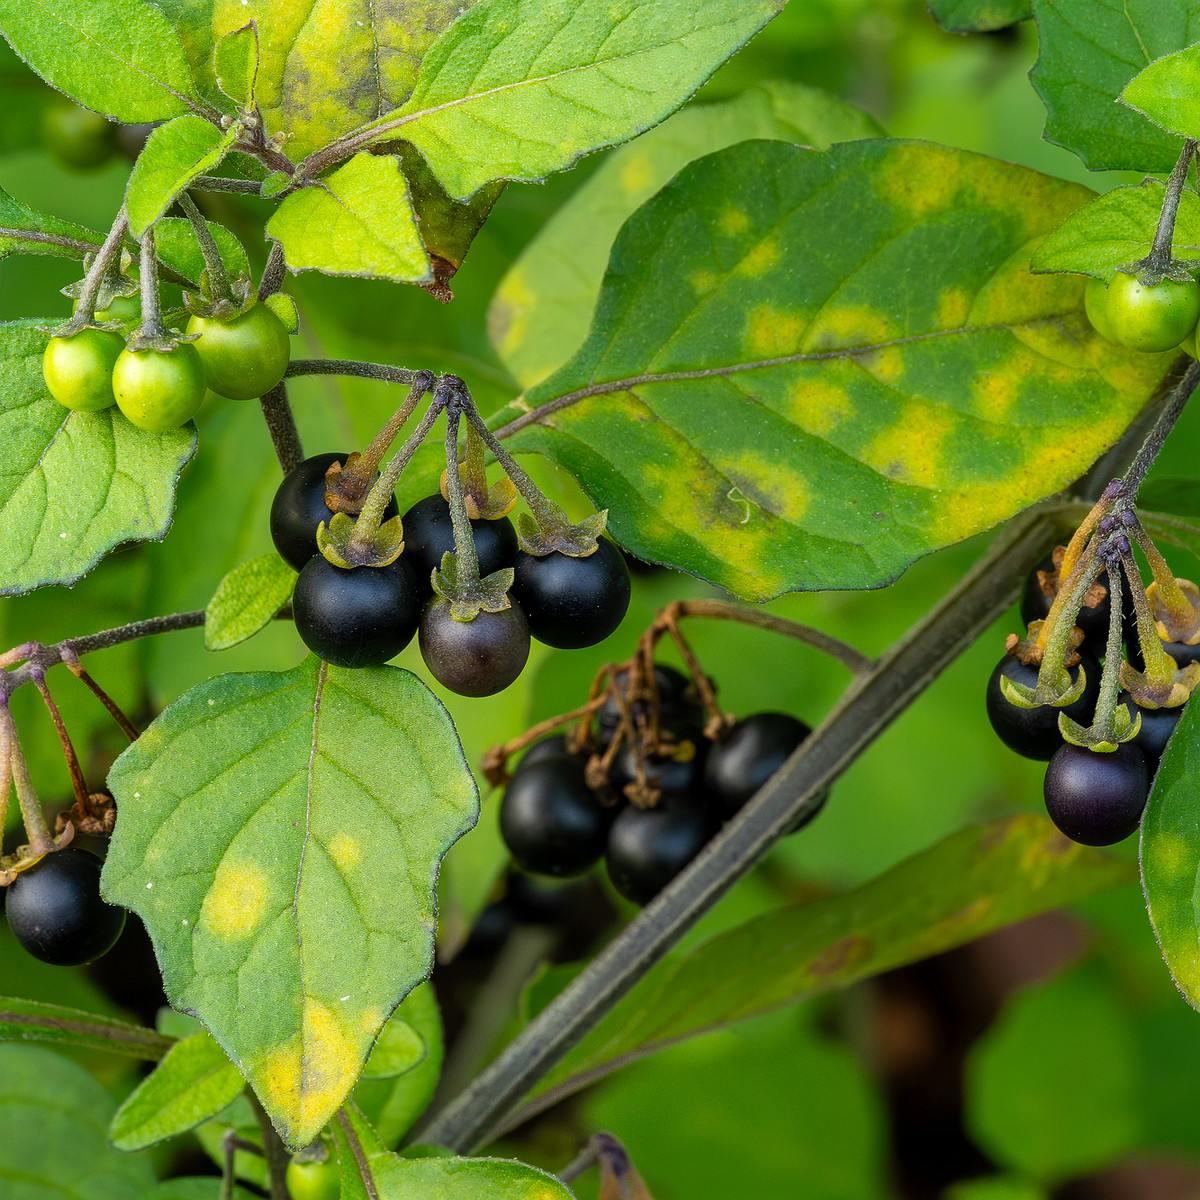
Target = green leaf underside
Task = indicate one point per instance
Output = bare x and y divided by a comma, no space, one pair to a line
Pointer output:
193,1082
977,16
328,69
235,64
1166,92
1118,228
32,1021
49,1106
516,89
176,245
543,308
978,879
20,227
246,600
773,419
72,484
357,221
279,834
122,58
174,155
1089,51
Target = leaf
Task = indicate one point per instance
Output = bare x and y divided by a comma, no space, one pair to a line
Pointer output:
357,221
246,600
23,231
54,1116
193,1082
235,61
176,245
1115,229
175,154
122,58
264,813
543,307
978,879
996,1187
516,89
33,1021
72,484
978,16
1089,51
1171,495
206,1187
772,419
1166,92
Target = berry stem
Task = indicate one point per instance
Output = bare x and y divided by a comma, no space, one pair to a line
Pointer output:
495,761
106,266
465,558
71,659
473,469
1110,676
36,830
363,469
350,366
1054,637
152,332
1079,539
1160,667
281,425
79,785
1149,450
1158,261
214,265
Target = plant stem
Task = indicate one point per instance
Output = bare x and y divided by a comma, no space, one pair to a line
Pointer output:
281,425
547,514
273,273
102,267
360,1157
36,830
274,1151
217,183
151,330
349,366
1149,449
214,264
368,462
465,559
1161,252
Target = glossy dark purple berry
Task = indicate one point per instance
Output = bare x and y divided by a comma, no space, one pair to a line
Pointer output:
678,701
299,507
647,848
478,657
747,755
676,768
573,602
359,617
429,533
551,747
1035,605
551,821
1033,732
55,911
1097,799
1157,726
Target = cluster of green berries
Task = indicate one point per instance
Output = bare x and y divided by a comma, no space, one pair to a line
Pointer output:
1152,319
160,390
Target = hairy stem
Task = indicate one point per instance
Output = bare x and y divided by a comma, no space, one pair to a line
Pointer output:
465,558
274,1151
1150,448
1160,254
350,366
547,514
214,264
281,425
273,273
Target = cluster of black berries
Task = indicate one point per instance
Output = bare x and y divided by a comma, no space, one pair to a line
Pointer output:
1094,798
55,911
365,615
556,821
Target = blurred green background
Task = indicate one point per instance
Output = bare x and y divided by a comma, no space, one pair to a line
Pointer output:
1051,1059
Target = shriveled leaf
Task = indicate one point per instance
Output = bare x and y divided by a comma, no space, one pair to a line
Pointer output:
174,155
1166,92
977,16
235,62
516,89
55,1118
1116,229
543,308
1089,51
772,419
978,879
23,231
33,1021
176,245
246,600
358,221
72,484
265,814
193,1082
122,58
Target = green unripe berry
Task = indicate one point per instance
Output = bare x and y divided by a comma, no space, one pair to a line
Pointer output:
1151,318
246,357
78,369
159,390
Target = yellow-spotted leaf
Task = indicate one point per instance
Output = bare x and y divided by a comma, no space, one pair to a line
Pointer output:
279,835
807,369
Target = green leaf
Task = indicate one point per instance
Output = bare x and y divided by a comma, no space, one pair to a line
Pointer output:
1115,229
235,61
246,600
176,245
23,231
1039,1096
284,307
774,419
174,155
32,1021
979,879
540,314
55,1116
516,89
357,221
264,813
193,1082
978,16
122,58
204,1187
72,484
1089,51
1171,495
1166,92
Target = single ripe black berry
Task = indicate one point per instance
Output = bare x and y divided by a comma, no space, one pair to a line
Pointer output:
551,747
573,602
1157,726
1035,605
678,700
647,848
676,767
1033,732
299,507
550,819
359,617
477,657
747,755
429,533
55,911
1097,799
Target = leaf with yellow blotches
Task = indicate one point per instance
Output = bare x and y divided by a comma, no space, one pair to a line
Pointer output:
280,835
807,369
